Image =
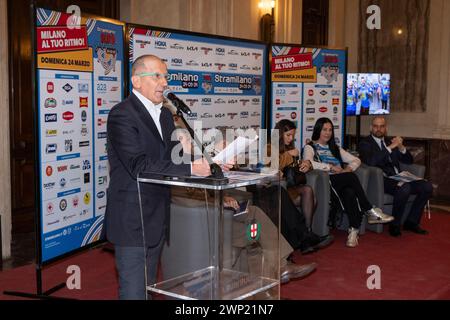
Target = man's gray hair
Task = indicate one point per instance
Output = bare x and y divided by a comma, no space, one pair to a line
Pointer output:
139,64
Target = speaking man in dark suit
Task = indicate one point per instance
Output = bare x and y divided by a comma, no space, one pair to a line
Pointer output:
139,140
376,150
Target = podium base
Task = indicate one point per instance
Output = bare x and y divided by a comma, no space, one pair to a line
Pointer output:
212,284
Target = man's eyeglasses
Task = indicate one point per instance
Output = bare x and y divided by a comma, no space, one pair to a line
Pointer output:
158,76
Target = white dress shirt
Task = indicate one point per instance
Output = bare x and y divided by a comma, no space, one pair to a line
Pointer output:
155,112
380,141
153,109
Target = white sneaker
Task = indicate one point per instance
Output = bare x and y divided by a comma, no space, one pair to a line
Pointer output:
375,215
353,236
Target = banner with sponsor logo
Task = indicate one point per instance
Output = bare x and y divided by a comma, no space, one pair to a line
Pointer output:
78,80
308,84
223,81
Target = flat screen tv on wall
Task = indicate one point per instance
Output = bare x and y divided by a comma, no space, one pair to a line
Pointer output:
368,94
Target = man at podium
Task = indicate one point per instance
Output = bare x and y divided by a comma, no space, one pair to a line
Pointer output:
139,140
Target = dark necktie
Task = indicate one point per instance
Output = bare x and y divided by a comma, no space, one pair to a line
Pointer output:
384,148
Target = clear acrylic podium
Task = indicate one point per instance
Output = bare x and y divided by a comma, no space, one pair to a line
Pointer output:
215,252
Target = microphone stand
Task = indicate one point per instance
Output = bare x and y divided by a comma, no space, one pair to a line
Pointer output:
216,170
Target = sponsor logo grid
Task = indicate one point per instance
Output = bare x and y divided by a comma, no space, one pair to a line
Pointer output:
305,100
69,146
215,80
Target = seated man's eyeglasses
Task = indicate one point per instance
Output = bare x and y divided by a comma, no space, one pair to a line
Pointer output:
158,76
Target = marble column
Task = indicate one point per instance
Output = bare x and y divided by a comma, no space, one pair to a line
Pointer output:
442,130
336,23
5,170
288,21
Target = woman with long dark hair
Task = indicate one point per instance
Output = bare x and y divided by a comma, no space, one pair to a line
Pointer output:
326,155
302,195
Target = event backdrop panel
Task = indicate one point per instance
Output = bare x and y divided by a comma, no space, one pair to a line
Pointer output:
79,78
222,80
307,84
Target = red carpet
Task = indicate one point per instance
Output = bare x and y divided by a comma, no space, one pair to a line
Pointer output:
412,267
98,277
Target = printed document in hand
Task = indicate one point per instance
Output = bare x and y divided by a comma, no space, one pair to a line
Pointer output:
238,146
405,176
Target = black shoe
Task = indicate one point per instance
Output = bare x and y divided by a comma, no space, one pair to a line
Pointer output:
395,231
290,258
309,243
306,249
324,241
408,226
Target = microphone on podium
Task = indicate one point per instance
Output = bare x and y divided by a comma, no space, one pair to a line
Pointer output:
177,102
216,171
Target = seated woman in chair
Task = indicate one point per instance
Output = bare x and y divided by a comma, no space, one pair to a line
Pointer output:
326,155
302,195
297,201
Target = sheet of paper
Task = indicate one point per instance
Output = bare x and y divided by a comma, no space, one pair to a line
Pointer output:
249,176
238,146
405,176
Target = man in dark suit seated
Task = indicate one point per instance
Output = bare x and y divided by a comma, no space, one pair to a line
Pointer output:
139,140
376,150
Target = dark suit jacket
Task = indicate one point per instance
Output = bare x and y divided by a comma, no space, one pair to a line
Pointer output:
371,154
135,146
